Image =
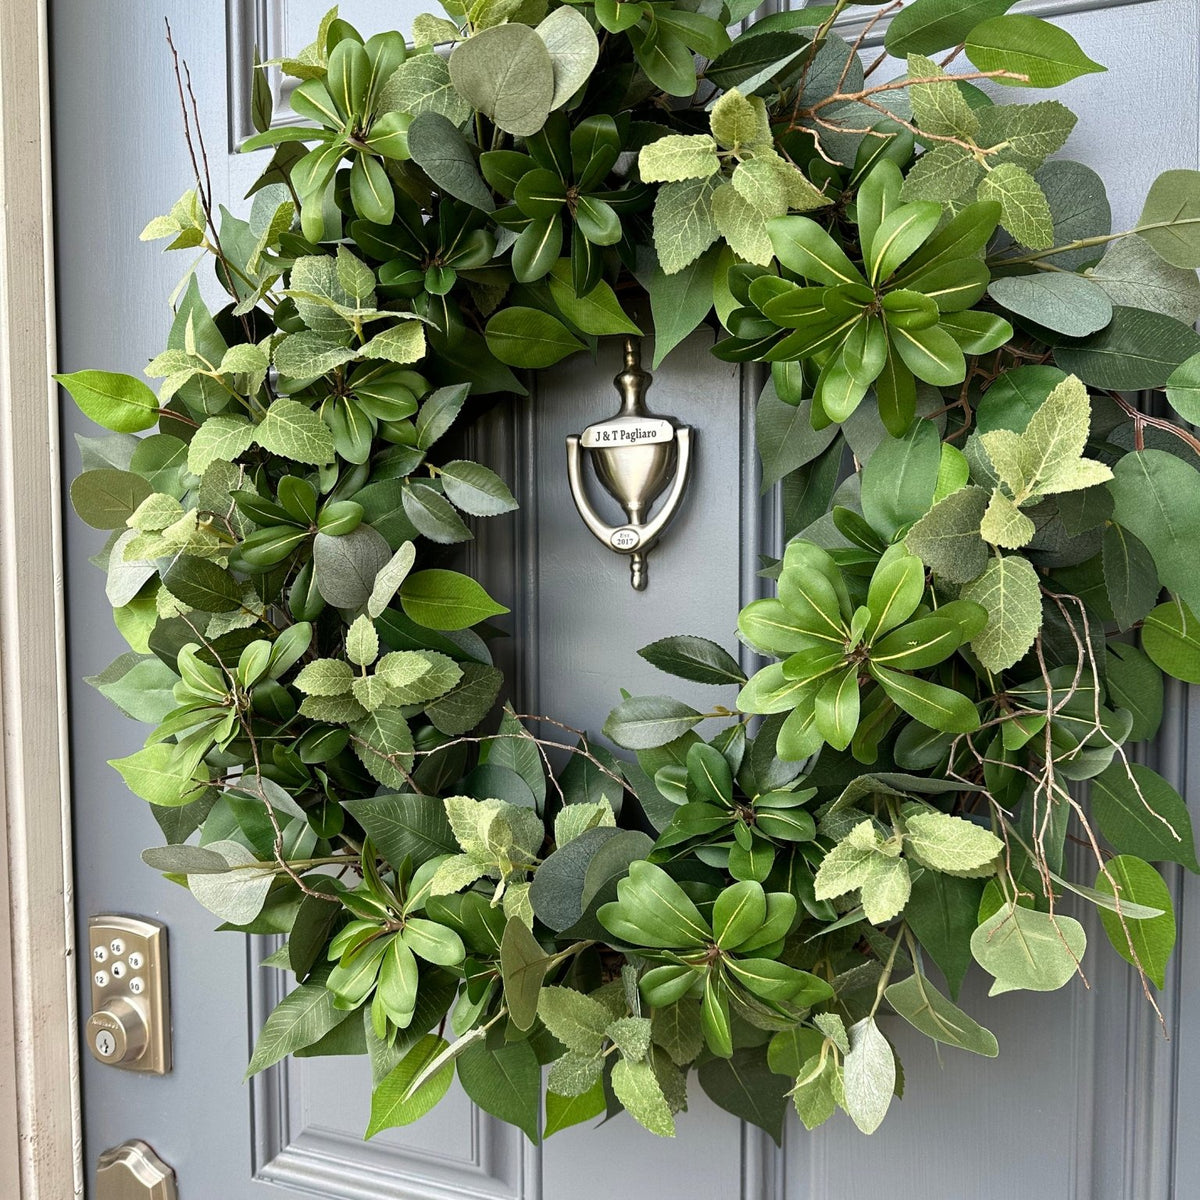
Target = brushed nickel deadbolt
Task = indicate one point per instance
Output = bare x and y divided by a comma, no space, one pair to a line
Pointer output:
636,455
132,1171
130,1024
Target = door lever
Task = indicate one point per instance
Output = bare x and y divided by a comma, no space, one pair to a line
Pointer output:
635,455
132,1171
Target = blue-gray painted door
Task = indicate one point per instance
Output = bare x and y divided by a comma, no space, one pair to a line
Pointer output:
1098,1100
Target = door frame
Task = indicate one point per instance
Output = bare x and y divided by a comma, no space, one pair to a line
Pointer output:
40,1132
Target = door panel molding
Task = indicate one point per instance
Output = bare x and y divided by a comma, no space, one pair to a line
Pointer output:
39,1096
335,1163
250,23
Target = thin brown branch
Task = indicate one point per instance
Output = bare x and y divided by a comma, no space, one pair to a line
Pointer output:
200,164
1143,421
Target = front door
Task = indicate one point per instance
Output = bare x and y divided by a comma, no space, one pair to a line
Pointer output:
1084,1077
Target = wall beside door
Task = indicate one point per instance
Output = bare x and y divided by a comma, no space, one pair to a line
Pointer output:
1086,1083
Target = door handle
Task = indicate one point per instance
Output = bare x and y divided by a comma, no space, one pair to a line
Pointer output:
132,1171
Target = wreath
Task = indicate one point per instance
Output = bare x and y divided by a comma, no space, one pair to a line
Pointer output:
989,562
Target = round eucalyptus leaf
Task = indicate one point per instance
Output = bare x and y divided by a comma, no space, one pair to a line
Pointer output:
346,566
1060,301
1170,220
573,49
506,72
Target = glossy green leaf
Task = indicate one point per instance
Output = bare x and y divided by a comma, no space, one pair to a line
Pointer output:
389,1106
1045,54
440,599
528,337
926,26
1146,943
118,402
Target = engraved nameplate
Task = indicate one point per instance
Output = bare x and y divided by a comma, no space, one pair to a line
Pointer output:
627,431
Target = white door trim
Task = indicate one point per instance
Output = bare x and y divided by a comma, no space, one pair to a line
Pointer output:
39,1084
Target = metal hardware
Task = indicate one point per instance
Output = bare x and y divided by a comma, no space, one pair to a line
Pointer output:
130,1025
132,1171
636,455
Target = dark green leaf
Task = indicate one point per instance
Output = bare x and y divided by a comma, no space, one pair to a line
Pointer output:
528,337
1129,576
506,1082
1136,685
303,1017
1157,498
678,302
941,912
437,147
694,658
785,436
105,498
203,585
643,722
557,891
405,826
747,1087
1137,349
1140,813
899,479
523,964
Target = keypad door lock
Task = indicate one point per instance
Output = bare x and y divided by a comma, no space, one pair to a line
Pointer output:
130,1023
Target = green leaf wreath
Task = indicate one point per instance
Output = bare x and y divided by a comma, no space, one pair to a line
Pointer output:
989,564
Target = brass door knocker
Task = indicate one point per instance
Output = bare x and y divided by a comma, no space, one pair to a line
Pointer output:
635,455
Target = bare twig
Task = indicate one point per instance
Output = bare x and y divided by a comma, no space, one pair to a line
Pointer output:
200,165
